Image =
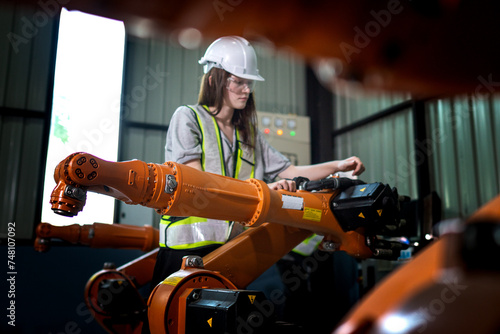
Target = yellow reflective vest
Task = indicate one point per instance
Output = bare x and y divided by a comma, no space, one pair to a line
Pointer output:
193,232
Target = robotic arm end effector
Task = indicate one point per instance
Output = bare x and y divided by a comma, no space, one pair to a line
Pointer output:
68,197
68,200
133,182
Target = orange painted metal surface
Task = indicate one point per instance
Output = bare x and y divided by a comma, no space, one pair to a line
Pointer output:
165,312
99,235
403,282
489,212
131,276
251,253
179,190
422,275
277,221
274,229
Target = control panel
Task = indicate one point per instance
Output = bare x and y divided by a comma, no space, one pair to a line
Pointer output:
289,134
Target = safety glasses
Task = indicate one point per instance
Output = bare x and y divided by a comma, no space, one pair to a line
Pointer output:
237,85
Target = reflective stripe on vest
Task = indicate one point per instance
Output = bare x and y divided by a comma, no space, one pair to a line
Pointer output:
192,232
309,245
245,160
212,157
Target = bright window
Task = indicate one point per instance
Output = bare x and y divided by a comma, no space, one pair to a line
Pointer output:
86,104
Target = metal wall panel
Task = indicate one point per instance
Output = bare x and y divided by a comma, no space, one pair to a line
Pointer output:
462,145
6,19
26,72
485,141
386,149
25,56
19,63
385,146
465,152
159,77
495,122
158,60
134,95
351,106
20,153
284,91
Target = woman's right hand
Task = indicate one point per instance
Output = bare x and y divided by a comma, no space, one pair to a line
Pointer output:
284,184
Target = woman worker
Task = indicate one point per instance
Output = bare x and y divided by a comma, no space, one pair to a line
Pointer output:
219,135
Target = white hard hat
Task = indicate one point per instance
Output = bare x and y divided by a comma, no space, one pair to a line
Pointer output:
233,54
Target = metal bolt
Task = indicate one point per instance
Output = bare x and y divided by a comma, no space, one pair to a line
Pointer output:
109,266
329,246
170,184
76,193
194,261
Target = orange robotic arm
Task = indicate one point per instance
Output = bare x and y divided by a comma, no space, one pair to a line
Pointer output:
281,219
178,190
98,235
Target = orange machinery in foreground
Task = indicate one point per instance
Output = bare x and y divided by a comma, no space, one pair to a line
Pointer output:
112,294
350,220
451,286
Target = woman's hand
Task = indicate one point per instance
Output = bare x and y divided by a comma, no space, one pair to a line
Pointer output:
352,163
288,185
322,170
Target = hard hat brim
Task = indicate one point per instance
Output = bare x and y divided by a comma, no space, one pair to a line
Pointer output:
257,77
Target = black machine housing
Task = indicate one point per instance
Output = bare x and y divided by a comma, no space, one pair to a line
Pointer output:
374,209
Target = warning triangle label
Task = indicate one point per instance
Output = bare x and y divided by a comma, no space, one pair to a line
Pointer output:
362,189
210,322
361,215
252,298
379,212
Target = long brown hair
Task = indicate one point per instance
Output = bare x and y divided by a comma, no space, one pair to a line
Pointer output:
212,95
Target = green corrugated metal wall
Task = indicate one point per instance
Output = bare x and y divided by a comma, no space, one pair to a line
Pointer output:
26,64
385,146
386,149
351,107
462,145
464,151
